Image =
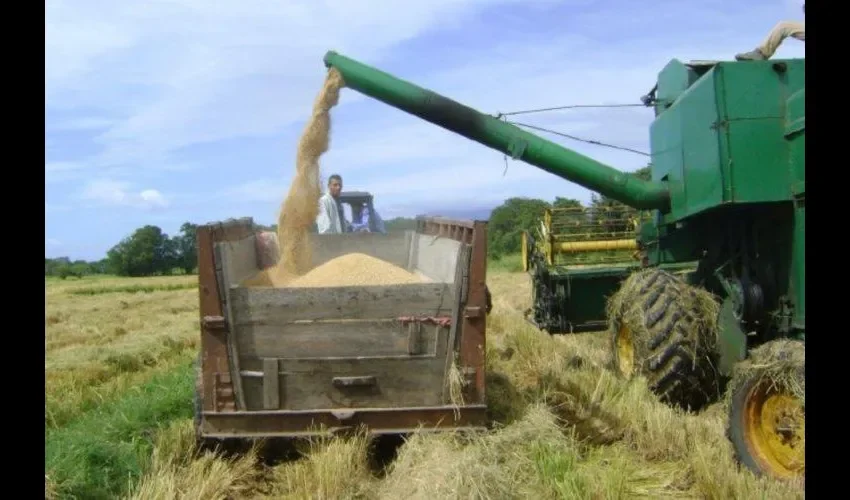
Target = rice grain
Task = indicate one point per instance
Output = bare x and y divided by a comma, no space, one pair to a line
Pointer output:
301,206
354,269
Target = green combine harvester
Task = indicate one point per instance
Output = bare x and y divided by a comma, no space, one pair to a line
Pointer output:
717,297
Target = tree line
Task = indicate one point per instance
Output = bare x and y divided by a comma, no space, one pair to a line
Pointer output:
509,220
148,251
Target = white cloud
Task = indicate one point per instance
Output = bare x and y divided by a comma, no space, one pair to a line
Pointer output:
118,193
404,160
146,86
106,191
181,72
379,154
186,72
153,198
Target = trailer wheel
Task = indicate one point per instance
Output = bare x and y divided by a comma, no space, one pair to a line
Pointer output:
767,411
663,329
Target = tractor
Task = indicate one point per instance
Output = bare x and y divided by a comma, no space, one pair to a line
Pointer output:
361,204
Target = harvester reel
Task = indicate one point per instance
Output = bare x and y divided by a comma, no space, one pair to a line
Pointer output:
767,411
658,331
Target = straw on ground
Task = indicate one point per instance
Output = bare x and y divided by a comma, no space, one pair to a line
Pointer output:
565,426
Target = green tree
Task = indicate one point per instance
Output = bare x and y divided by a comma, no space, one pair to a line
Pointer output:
147,252
52,266
608,214
187,247
571,222
565,203
509,220
64,268
399,224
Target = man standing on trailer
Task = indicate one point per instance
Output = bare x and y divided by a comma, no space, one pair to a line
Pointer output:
331,218
794,29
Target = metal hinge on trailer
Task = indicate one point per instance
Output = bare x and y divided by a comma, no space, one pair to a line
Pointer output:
214,323
469,373
443,321
224,398
414,329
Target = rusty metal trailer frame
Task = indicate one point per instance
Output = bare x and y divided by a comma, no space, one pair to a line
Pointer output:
218,415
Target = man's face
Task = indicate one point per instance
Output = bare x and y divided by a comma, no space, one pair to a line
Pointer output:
334,187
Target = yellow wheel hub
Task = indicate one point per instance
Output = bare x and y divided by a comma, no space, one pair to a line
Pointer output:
625,351
776,431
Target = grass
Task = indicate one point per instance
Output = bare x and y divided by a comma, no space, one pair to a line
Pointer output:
168,287
118,417
98,454
505,264
97,346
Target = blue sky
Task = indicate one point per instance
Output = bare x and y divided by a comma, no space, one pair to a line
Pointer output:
161,112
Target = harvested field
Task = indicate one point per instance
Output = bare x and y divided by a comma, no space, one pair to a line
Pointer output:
116,364
565,426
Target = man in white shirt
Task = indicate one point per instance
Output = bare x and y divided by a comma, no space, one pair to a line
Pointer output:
331,218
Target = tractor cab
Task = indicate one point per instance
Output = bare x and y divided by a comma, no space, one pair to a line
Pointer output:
362,210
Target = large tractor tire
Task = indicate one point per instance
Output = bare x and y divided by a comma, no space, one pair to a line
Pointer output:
665,330
767,410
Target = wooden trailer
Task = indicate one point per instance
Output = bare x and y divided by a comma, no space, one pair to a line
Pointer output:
290,362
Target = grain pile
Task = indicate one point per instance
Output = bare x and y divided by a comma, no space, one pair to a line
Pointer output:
354,269
300,208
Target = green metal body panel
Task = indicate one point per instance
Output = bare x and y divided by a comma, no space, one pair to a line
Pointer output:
795,133
723,140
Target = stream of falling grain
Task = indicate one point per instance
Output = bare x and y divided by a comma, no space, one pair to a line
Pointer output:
299,210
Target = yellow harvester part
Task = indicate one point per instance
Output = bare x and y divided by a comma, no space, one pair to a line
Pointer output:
594,246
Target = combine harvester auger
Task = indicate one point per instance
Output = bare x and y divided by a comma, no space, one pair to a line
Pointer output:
727,195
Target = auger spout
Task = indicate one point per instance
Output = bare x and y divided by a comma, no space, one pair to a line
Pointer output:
498,135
